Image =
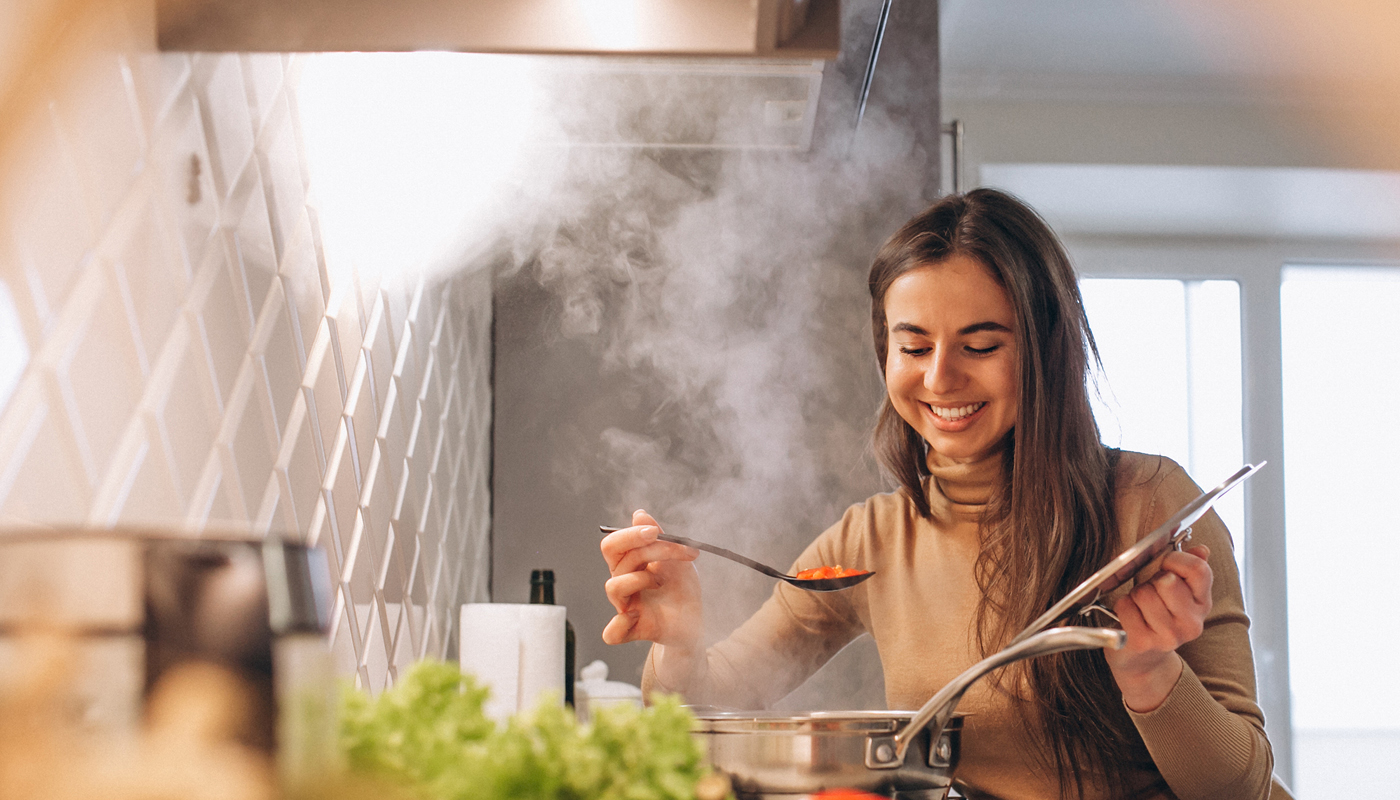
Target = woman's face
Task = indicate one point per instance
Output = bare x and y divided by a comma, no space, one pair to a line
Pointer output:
951,367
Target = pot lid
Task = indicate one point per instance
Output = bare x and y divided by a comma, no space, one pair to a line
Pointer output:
1131,561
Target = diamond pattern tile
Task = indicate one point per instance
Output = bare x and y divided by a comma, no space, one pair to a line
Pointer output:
381,355
148,494
359,409
191,419
194,359
41,459
299,468
44,202
265,76
252,448
301,281
281,362
256,255
107,156
227,116
322,383
180,155
150,274
223,322
101,378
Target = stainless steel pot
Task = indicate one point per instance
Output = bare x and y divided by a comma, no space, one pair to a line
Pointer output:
780,756
899,753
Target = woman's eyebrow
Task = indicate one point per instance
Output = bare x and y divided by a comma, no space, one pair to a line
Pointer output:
985,326
976,327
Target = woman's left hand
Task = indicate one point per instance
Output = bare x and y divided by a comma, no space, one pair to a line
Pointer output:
1159,616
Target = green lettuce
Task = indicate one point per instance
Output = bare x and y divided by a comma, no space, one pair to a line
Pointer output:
429,734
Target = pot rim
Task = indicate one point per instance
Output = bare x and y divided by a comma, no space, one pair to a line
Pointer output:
815,722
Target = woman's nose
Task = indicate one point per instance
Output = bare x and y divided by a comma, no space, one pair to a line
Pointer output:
942,376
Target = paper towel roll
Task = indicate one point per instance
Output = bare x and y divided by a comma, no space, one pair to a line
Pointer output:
517,650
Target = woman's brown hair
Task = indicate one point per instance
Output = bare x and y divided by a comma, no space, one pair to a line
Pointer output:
1051,523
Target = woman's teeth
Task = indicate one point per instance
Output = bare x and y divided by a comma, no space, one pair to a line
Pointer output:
955,414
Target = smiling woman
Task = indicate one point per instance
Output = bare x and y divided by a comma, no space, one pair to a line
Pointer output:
1007,499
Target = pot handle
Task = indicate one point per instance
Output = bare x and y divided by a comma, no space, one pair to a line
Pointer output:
939,708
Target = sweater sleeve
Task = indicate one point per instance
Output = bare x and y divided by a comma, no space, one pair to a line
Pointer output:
789,638
1207,738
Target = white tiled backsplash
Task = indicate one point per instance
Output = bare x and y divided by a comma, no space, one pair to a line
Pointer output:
177,349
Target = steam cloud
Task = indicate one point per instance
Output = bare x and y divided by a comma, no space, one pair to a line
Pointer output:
690,331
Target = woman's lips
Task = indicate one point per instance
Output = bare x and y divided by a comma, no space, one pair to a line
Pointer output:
954,418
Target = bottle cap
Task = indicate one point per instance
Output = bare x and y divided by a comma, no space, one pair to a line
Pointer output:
541,576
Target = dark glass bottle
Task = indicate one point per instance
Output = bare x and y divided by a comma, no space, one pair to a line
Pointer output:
542,591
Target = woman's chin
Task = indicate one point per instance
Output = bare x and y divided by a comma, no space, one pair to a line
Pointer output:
958,451
963,449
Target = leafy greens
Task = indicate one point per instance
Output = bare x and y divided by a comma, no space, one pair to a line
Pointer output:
430,734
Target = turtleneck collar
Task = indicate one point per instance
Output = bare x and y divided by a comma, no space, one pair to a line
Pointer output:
966,486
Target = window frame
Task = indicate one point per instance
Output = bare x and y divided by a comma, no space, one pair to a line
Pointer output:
1257,265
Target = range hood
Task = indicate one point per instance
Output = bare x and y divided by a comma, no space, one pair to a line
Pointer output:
706,74
786,29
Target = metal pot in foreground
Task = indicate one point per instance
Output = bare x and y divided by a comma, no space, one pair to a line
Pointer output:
128,608
899,753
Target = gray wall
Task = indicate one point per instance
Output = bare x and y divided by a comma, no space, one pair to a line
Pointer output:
688,331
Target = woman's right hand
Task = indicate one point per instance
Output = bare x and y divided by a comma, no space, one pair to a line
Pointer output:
654,588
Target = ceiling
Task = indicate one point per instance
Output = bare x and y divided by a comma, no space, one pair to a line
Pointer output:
1245,51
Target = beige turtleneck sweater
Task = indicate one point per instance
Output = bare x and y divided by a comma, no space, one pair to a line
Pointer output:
1206,739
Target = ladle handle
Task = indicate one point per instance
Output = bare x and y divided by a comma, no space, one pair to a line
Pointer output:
939,708
722,553
714,549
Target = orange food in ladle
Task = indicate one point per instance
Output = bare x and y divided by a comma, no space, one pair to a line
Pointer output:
838,571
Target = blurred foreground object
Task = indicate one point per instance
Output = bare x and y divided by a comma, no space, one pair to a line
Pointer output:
188,749
135,639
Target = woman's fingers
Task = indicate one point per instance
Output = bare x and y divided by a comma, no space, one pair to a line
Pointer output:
656,551
1191,566
1163,614
617,544
1154,611
1177,595
619,629
631,549
1165,625
622,588
1130,617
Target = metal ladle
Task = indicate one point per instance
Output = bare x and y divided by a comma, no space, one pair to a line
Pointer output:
809,584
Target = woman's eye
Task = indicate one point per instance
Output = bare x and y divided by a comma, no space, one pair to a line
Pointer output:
983,351
913,351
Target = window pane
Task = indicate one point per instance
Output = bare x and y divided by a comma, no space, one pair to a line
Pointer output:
1140,327
1171,380
1341,350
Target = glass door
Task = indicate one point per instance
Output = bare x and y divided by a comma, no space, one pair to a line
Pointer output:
1341,415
